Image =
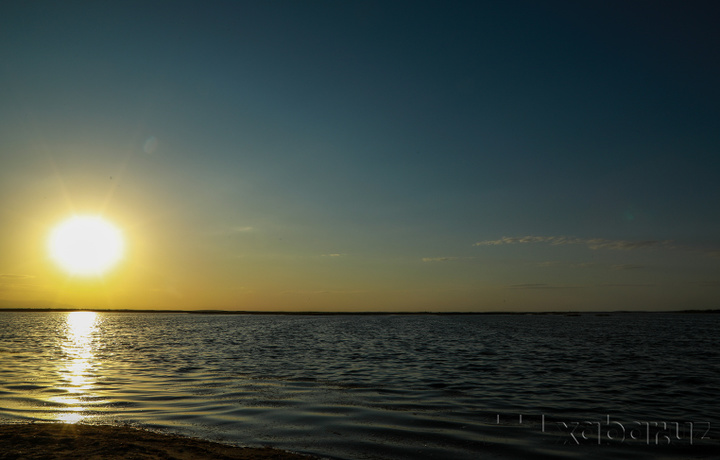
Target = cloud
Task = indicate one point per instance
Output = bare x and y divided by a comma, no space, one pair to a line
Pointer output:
712,284
516,240
627,285
557,263
324,292
592,243
14,277
539,286
586,265
438,259
228,231
15,282
599,243
550,263
584,286
627,267
336,254
241,229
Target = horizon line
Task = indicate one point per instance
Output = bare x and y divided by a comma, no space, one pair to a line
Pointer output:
367,313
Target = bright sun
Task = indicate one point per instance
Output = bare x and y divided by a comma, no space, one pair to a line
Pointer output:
86,245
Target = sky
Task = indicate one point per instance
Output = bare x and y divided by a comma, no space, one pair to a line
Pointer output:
365,156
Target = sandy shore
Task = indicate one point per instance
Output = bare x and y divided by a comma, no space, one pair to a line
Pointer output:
49,441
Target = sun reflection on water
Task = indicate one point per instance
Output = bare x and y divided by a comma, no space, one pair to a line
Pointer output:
77,371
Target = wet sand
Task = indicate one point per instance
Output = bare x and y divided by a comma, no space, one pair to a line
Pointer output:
49,441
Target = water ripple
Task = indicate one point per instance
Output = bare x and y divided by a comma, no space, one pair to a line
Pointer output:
390,387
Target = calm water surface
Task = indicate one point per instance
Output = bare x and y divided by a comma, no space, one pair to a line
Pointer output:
378,387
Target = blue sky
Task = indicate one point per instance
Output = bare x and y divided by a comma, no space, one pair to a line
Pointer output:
351,155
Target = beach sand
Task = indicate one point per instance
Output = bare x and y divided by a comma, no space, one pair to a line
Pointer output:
49,441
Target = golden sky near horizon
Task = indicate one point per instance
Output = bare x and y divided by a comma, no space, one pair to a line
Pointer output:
327,157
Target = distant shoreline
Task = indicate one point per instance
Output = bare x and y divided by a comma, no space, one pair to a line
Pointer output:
355,313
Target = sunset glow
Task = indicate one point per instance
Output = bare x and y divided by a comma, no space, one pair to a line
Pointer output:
86,245
467,158
359,229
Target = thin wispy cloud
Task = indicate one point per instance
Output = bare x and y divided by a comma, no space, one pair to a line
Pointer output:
549,263
228,231
539,286
627,267
559,264
710,284
335,254
18,282
584,265
324,292
438,259
624,285
9,276
241,229
445,259
592,243
542,286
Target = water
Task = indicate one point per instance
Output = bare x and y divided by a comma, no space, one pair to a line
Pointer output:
376,386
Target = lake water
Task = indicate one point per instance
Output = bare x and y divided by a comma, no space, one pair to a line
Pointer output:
378,386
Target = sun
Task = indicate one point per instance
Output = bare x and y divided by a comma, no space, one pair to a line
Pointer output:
86,245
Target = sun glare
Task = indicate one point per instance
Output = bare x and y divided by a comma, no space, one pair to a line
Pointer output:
86,245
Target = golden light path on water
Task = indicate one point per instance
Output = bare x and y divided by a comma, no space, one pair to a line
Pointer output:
77,371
